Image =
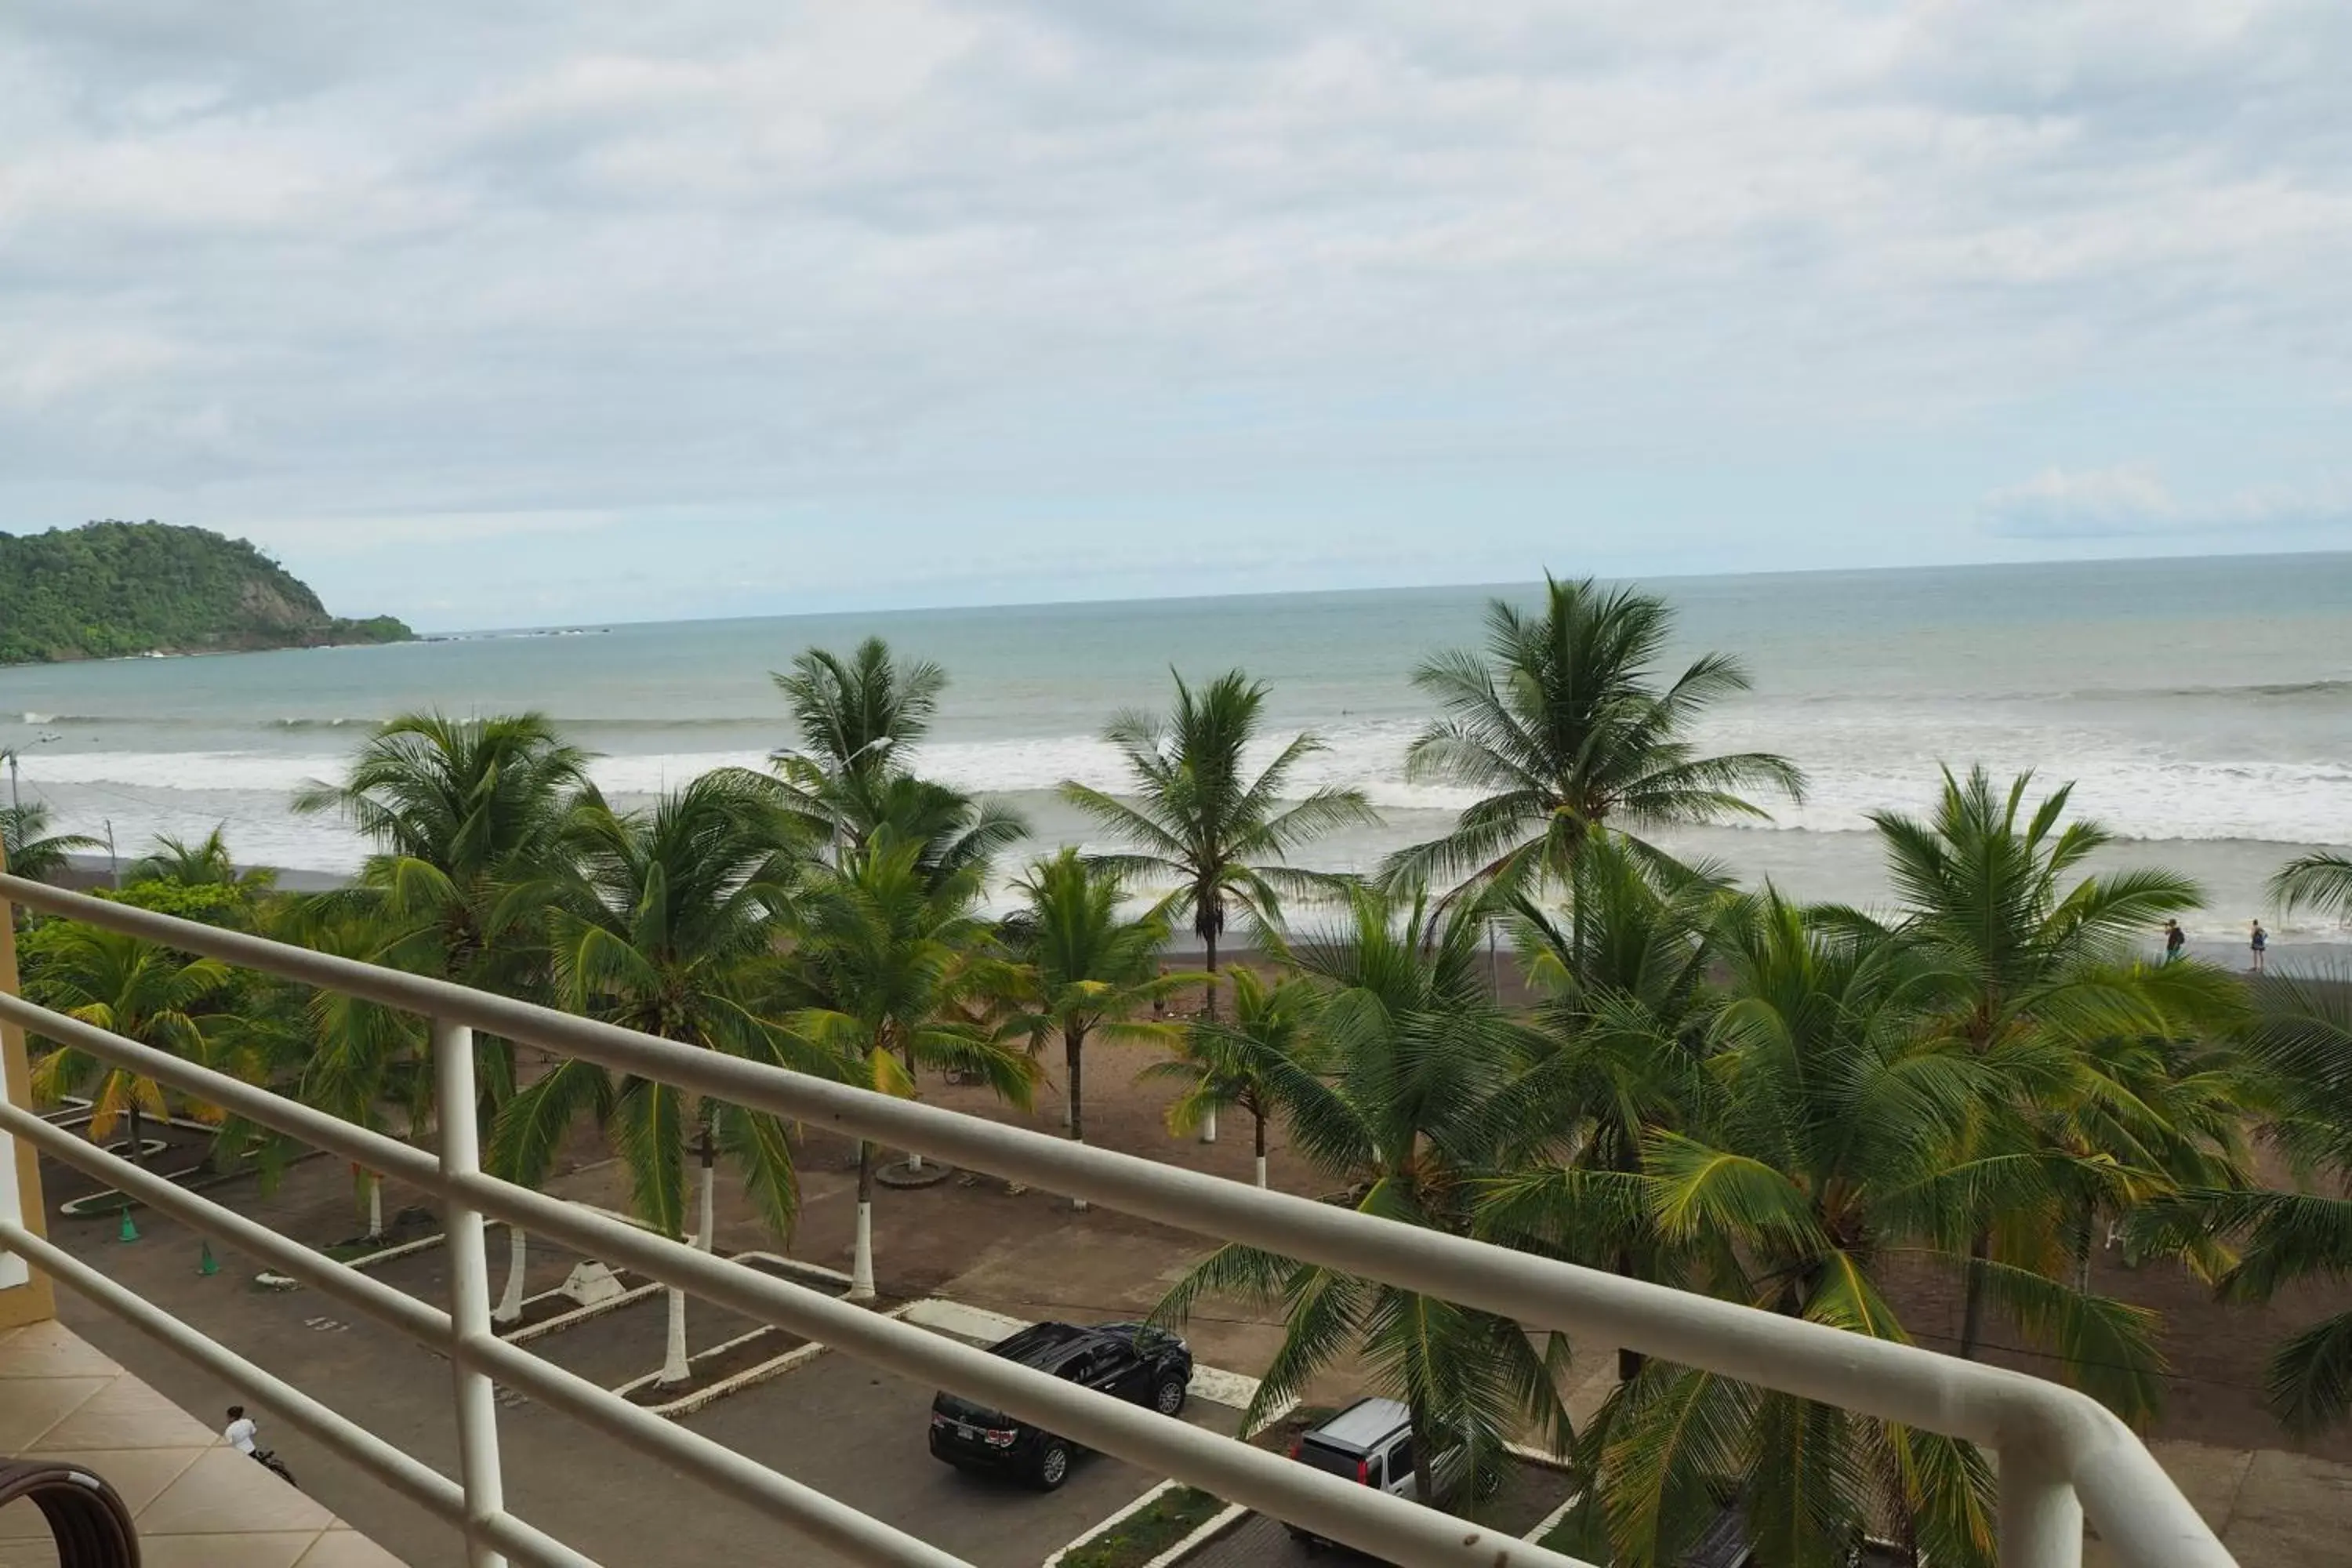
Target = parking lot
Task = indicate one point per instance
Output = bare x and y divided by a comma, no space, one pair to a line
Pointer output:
859,1435
856,1434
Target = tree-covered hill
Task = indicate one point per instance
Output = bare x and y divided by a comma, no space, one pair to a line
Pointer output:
113,588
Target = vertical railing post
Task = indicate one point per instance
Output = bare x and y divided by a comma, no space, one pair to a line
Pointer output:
469,1291
2040,1517
15,1274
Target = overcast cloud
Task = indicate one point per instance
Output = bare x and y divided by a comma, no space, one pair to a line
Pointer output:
531,312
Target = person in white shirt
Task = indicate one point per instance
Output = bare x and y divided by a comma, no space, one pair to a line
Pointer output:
241,1430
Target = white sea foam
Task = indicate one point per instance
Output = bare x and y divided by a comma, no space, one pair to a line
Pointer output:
2141,792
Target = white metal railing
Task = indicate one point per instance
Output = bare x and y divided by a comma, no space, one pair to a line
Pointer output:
2060,1454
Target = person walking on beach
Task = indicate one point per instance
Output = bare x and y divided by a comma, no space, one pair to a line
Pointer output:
2175,939
2262,940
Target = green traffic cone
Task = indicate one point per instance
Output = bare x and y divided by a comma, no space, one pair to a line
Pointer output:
130,1232
208,1266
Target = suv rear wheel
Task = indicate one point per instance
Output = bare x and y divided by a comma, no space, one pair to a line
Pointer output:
1053,1465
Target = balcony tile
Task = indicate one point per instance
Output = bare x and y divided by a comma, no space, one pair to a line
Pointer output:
268,1549
226,1493
344,1548
123,1413
51,1350
34,1406
137,1475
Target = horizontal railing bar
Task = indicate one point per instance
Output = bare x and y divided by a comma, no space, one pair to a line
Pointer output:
1899,1383
363,1147
807,1511
414,1479
1389,1527
425,1324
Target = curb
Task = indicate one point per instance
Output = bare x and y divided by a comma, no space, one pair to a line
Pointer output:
530,1331
1233,1514
790,1361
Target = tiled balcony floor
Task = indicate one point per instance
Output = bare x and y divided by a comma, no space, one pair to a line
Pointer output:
198,1503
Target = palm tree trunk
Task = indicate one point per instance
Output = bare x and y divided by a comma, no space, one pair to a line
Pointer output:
1074,1046
706,1232
510,1301
1627,1263
138,1137
1257,1123
861,1268
1209,1010
914,1156
1972,1310
675,1367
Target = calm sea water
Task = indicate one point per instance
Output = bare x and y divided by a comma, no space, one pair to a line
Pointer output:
2204,707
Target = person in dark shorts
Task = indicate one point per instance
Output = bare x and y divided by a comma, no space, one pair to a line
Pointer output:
2261,940
2175,939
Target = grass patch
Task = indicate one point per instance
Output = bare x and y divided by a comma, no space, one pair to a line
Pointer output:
1146,1532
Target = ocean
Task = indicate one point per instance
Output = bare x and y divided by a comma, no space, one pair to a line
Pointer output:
2202,707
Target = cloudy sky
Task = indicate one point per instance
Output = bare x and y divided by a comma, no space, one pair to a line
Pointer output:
539,311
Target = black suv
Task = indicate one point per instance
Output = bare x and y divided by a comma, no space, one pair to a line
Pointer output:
1134,1362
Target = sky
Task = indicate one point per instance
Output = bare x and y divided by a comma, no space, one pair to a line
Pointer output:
517,314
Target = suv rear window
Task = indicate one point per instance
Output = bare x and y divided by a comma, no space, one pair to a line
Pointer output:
1330,1460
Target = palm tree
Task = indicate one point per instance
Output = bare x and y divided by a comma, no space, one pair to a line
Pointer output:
130,987
1832,1152
1423,1065
883,954
1220,1064
1081,969
1197,815
2039,977
2321,880
2300,1035
30,850
462,813
365,1064
1563,724
669,927
1624,1009
207,863
860,719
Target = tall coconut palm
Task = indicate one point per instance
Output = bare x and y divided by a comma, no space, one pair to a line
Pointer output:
29,849
2036,970
1624,1009
369,1064
1081,969
669,927
462,812
883,956
1830,1155
2300,1035
130,987
1221,1064
860,719
1421,1064
1197,815
1564,725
